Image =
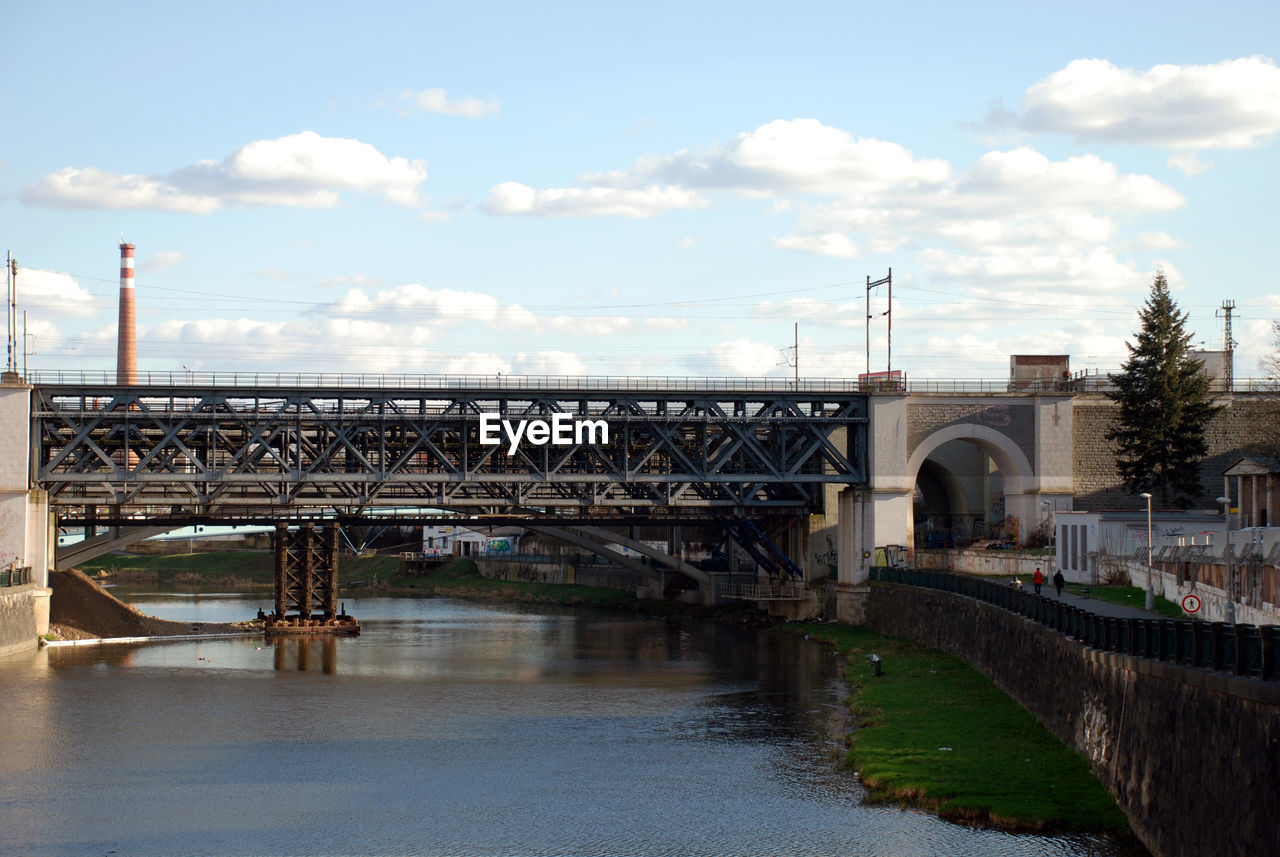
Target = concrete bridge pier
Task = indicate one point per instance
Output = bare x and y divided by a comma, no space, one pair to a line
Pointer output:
867,518
26,527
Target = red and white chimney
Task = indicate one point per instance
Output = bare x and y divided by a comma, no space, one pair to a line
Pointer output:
126,339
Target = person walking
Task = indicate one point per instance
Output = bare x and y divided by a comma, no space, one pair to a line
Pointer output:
1038,579
1059,581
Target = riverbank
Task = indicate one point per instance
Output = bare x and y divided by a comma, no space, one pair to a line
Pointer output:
934,733
80,609
383,576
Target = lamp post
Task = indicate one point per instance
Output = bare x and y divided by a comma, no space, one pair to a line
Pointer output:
1053,533
1231,560
1150,600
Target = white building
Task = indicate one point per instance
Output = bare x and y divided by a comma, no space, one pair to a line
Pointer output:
1082,537
451,540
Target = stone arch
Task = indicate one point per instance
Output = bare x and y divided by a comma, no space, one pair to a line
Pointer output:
1015,469
1013,463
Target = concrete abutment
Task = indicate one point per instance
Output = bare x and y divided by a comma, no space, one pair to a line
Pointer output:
26,526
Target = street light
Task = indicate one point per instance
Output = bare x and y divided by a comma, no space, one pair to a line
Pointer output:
1150,601
1053,533
1231,560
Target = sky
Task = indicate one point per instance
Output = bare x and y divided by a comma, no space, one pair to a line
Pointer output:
658,189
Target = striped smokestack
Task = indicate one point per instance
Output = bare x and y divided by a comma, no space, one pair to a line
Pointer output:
126,340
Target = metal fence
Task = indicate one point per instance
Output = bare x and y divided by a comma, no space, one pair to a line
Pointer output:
1252,651
638,383
15,576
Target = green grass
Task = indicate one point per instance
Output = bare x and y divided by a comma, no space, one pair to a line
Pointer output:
1002,767
1129,596
228,568
460,579
380,575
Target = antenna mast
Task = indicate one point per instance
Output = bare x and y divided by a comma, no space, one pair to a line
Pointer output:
1228,344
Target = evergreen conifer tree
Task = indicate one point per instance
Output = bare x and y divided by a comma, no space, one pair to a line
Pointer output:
1165,406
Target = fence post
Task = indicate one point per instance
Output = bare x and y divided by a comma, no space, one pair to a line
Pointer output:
1218,633
1269,636
1198,636
1240,665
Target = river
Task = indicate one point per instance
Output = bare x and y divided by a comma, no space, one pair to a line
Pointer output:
447,727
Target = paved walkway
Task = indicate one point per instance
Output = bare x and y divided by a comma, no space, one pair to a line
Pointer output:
1093,605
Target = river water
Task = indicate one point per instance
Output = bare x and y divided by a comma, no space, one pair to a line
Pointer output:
447,727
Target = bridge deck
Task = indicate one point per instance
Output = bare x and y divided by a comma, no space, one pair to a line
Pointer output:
267,451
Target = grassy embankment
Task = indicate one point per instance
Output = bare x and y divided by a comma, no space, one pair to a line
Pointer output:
1128,596
380,575
935,733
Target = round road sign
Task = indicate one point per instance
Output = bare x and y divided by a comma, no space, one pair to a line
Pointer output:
1191,603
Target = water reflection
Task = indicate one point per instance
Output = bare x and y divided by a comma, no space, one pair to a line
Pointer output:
449,728
304,648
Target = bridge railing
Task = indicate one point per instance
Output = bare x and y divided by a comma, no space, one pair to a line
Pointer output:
377,381
1252,651
15,576
763,591
382,381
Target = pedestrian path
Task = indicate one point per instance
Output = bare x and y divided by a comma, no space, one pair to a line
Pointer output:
1092,605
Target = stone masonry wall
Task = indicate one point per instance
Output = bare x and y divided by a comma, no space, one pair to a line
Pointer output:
1243,422
1191,757
17,620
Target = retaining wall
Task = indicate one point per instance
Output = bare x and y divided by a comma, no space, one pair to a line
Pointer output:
18,632
1191,757
985,562
1244,420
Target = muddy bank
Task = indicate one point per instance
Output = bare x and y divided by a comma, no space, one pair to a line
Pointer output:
80,609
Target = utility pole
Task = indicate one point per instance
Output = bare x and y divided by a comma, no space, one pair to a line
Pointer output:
889,312
797,350
11,315
1228,344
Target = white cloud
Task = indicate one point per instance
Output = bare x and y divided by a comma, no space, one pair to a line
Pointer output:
304,170
787,156
163,260
515,198
1039,271
783,156
414,302
437,101
90,188
1188,163
1024,176
551,363
53,294
827,244
475,363
741,358
1233,104
1156,240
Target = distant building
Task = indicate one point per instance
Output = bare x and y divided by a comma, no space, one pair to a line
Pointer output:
451,540
1081,538
1256,488
1039,372
1217,367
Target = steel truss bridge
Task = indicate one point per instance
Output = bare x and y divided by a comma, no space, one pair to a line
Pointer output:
188,451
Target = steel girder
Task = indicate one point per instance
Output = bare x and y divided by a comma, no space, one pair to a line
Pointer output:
284,451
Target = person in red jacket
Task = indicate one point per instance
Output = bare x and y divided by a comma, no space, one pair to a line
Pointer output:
1037,580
